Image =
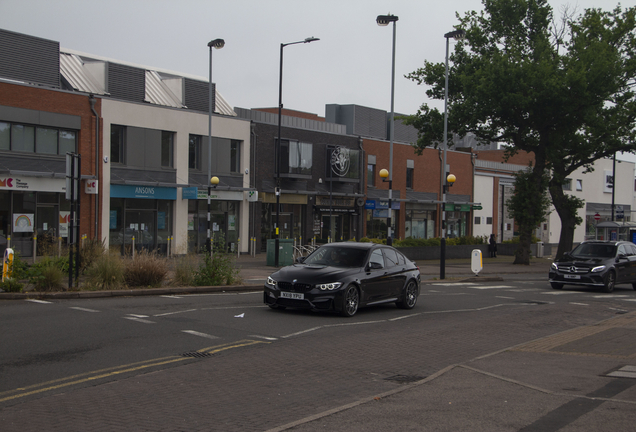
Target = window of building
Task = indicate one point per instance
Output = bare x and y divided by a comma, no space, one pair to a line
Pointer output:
167,149
343,162
488,220
409,178
117,143
194,152
370,170
35,139
579,185
477,220
567,184
296,157
235,156
410,167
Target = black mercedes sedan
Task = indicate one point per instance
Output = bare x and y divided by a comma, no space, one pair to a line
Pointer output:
343,277
596,263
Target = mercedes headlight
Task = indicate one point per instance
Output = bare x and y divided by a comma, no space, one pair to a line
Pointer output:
329,286
598,269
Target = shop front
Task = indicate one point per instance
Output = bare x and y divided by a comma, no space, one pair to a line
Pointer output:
141,217
291,219
34,214
457,218
335,219
377,216
419,220
224,218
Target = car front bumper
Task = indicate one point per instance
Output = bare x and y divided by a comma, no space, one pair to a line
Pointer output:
590,279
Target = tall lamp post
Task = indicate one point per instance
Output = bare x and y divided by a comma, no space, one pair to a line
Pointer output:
384,20
457,34
386,176
280,117
217,44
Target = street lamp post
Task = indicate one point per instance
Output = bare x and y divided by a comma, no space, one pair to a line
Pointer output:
457,34
386,176
217,44
384,20
280,117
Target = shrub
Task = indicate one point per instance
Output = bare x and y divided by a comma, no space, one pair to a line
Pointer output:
90,251
47,275
146,270
107,272
185,270
11,285
217,270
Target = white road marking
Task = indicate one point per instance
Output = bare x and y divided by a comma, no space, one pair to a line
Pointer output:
559,292
606,296
174,313
486,287
264,337
453,284
171,296
138,316
38,301
579,304
503,297
83,309
196,333
138,319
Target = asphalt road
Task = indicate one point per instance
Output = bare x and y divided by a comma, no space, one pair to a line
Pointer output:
226,362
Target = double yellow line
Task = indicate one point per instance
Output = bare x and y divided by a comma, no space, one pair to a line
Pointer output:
117,370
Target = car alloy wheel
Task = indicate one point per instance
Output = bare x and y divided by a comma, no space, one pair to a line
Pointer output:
351,301
610,281
410,297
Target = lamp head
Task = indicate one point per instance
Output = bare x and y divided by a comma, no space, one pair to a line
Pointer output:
214,181
457,34
216,43
384,20
451,179
311,39
384,173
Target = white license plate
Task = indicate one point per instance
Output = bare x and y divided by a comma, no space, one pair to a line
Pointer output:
572,276
291,295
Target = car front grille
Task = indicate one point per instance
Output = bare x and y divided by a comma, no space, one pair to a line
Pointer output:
293,303
294,287
571,269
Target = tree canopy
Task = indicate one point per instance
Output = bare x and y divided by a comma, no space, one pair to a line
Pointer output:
562,89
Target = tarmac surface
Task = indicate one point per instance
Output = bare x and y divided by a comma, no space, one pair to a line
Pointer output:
576,380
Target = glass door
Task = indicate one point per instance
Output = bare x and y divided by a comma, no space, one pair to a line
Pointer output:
46,221
141,224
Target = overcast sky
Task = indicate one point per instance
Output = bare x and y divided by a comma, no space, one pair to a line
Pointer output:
351,64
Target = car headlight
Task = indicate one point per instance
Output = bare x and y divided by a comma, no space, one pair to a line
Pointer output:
329,286
598,269
271,281
554,266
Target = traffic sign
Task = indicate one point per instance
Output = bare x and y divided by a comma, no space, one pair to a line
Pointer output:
597,217
477,207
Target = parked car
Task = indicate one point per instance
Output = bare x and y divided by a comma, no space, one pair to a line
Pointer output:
343,277
596,263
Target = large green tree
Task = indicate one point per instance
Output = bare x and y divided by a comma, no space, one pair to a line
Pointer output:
560,89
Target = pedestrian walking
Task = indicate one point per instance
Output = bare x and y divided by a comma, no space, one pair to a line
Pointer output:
492,246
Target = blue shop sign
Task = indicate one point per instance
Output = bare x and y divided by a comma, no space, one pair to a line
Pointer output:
147,192
189,193
369,205
381,204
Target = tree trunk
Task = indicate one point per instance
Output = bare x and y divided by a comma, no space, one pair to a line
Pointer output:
568,215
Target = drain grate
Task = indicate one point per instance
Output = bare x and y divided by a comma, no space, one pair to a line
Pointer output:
405,379
196,354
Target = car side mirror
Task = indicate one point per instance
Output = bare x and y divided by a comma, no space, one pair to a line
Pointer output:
374,266
621,256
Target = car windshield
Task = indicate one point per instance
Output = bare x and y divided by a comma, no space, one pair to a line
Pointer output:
339,256
591,250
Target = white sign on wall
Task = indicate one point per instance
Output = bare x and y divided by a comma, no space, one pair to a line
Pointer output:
91,187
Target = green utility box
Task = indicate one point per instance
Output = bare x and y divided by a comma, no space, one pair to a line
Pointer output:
285,252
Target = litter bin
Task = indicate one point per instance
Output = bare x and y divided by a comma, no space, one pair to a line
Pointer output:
539,249
285,252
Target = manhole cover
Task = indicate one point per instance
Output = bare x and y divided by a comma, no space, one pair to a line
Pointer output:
405,379
196,354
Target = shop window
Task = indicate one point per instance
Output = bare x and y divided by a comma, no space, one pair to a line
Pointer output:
194,152
117,143
167,149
